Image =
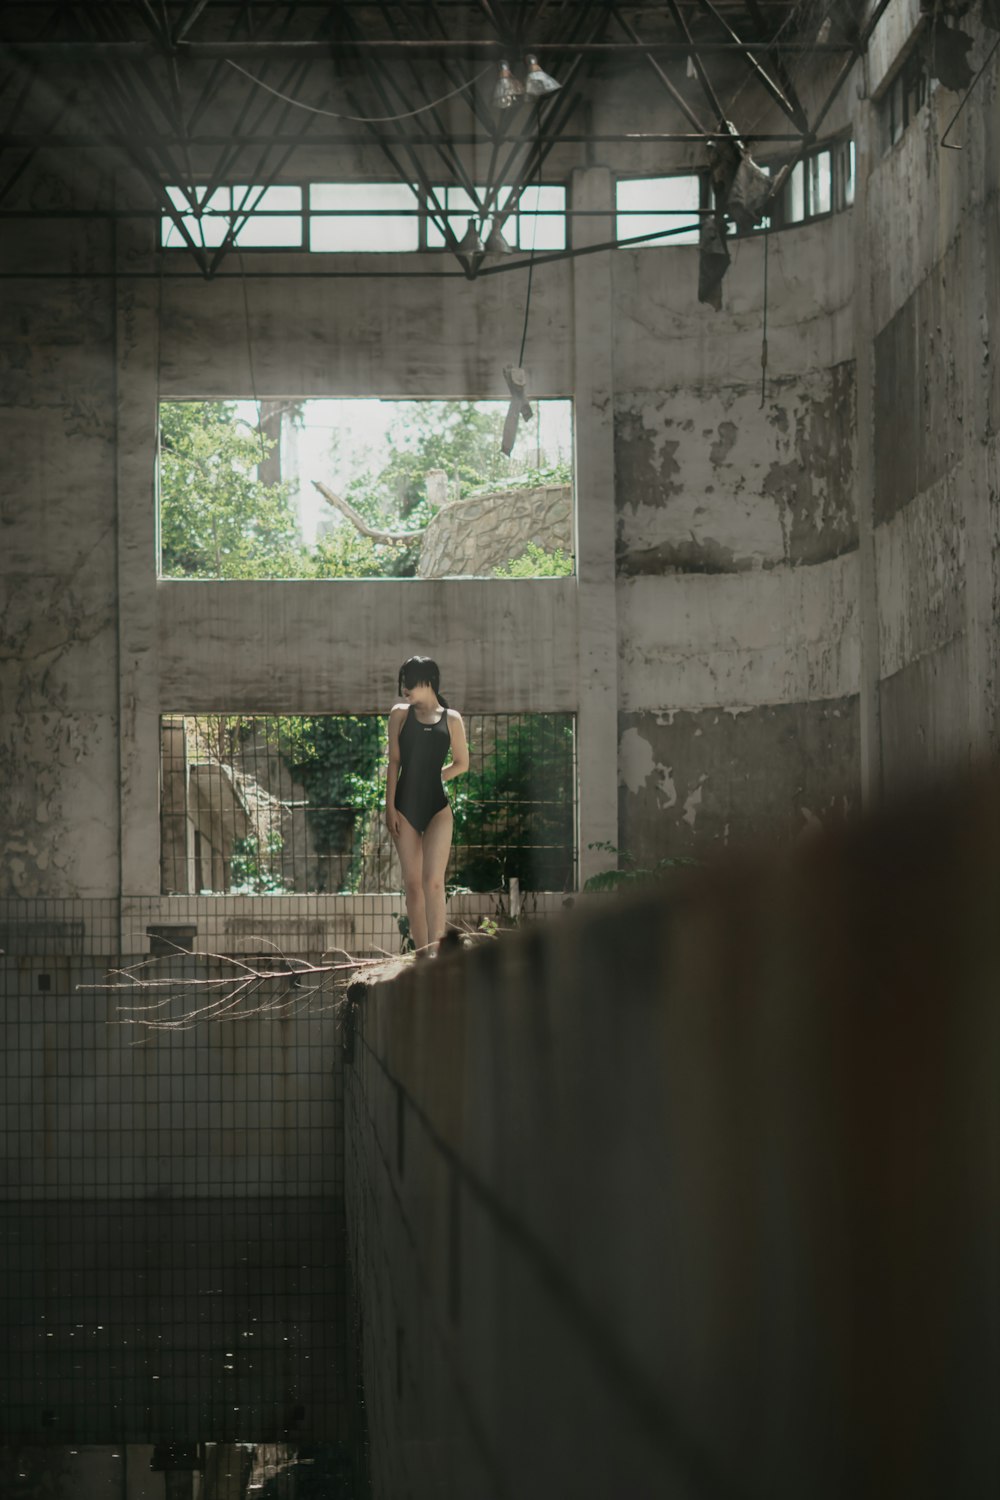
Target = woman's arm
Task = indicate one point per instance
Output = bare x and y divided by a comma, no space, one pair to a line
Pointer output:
392,774
459,762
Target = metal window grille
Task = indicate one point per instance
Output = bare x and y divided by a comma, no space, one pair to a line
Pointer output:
353,217
172,1234
261,805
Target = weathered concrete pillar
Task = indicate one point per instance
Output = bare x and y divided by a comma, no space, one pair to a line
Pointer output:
979,481
137,340
869,726
593,391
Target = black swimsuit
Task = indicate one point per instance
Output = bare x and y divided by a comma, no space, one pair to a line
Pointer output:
423,749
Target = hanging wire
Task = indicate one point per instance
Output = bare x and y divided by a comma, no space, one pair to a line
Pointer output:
360,119
253,377
763,344
948,145
534,237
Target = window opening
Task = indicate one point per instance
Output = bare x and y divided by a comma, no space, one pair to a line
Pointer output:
294,804
904,98
363,489
645,204
337,223
275,217
361,217
538,221
821,183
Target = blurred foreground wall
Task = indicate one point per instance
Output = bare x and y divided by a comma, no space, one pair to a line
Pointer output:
696,1195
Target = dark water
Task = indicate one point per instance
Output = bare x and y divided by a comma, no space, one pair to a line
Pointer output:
195,1348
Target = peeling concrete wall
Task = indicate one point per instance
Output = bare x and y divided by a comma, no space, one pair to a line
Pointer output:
739,601
692,780
711,482
58,649
935,304
736,539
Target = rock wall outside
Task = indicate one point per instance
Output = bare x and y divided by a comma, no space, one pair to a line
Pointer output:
481,533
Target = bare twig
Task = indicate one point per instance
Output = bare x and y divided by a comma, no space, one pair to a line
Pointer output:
359,522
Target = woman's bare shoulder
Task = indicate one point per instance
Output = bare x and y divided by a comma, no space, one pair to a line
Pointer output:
399,708
454,714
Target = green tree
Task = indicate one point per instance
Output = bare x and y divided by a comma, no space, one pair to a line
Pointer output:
514,808
255,868
454,436
535,562
339,762
216,519
345,553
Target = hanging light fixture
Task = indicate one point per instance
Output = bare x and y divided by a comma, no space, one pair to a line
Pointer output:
538,82
509,90
495,242
471,248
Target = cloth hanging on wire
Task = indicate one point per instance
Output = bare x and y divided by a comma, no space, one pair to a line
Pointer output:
519,406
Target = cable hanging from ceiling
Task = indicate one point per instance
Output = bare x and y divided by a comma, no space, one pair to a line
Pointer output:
333,114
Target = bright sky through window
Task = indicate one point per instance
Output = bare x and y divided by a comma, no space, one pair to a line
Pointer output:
646,204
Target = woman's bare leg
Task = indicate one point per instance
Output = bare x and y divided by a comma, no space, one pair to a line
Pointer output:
410,848
437,847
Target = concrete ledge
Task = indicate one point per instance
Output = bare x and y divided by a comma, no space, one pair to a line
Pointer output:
698,1194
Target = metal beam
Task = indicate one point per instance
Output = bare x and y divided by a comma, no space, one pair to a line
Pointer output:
843,74
186,19
60,52
682,104
624,138
766,83
757,17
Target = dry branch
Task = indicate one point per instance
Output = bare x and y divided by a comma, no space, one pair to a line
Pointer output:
359,522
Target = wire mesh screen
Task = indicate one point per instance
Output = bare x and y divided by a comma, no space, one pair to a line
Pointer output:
172,1237
293,804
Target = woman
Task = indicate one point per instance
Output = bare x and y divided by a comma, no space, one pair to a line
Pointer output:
422,731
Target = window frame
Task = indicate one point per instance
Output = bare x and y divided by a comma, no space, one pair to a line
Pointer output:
903,97
307,213
699,174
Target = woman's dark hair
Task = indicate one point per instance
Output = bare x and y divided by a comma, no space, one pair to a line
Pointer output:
421,669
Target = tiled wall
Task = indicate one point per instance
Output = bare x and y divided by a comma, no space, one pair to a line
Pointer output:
172,1244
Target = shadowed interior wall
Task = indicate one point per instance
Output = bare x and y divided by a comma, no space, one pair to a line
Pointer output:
697,1195
934,308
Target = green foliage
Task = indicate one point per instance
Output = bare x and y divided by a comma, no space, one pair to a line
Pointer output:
533,479
345,553
514,808
339,762
216,519
535,562
453,436
255,870
629,873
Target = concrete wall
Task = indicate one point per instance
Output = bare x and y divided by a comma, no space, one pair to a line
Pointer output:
933,311
774,603
58,635
696,1195
737,545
